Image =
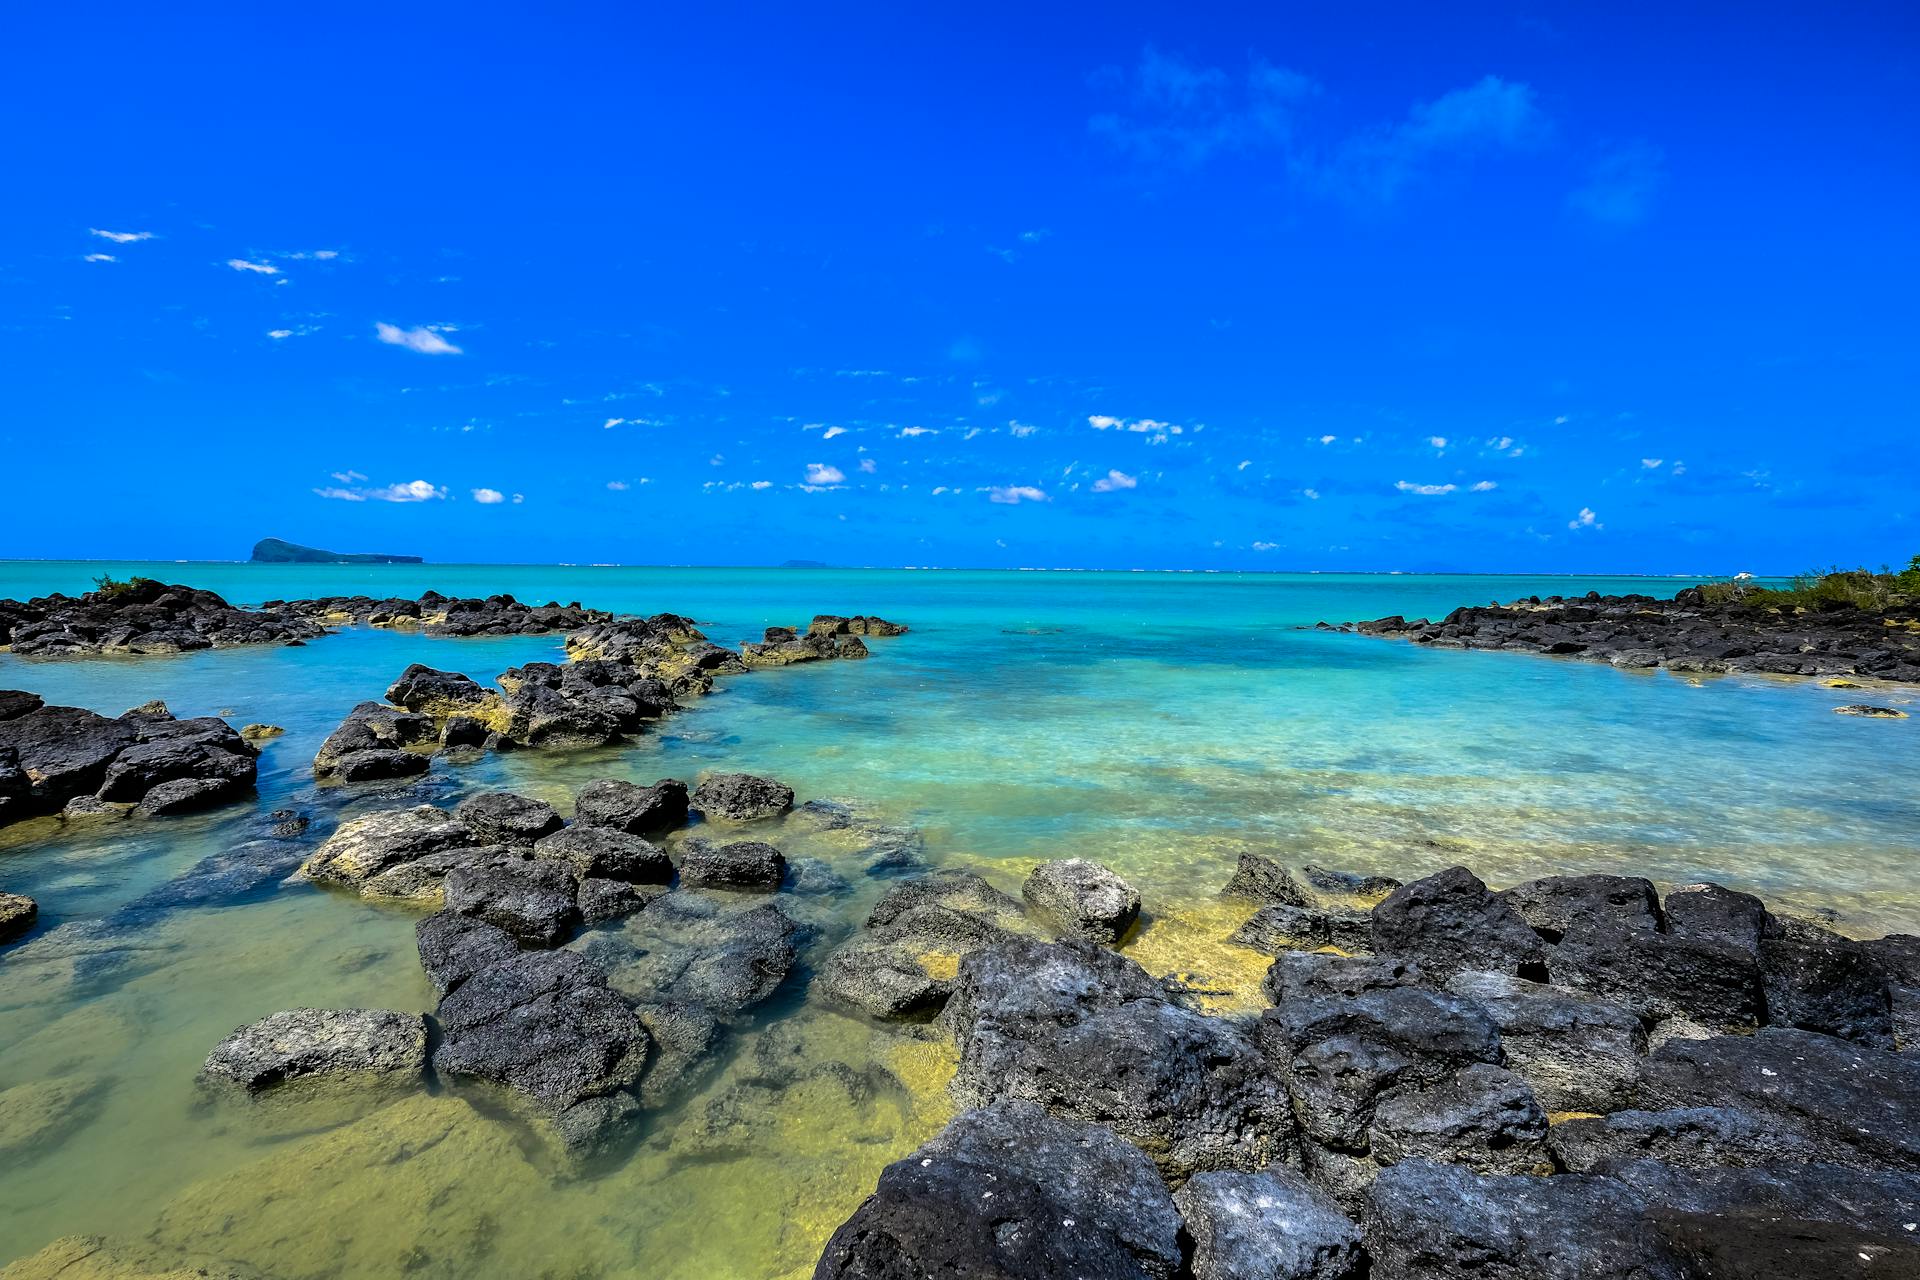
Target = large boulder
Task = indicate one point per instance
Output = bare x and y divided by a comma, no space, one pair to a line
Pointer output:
1279,927
1451,921
364,847
455,947
1829,984
1718,914
372,743
749,865
697,950
534,900
633,809
740,797
1296,975
438,693
1482,1117
52,755
1898,956
1688,1137
321,1044
1082,899
1555,904
501,817
606,853
1269,1225
902,967
1579,1053
1008,1192
1661,975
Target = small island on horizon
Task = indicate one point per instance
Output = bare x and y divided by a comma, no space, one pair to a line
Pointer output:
276,551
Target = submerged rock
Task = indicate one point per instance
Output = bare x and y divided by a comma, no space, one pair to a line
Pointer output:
1082,899
1278,927
17,914
1008,1192
695,950
321,1044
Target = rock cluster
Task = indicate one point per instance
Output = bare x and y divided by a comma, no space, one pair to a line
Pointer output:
1685,633
442,615
145,617
145,760
1575,1077
827,636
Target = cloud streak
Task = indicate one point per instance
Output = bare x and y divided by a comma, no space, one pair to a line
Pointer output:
424,339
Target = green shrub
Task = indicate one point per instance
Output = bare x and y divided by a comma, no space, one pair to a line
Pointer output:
1834,588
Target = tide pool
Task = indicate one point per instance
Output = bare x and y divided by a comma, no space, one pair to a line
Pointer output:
1160,723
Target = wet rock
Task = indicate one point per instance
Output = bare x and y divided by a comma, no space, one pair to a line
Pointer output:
685,1039
51,755
1264,880
17,914
1690,1138
142,616
1554,904
532,900
1578,1053
903,967
1089,1035
230,876
93,809
438,693
1296,975
604,900
691,949
1082,899
461,732
260,732
545,1025
321,1044
1898,956
884,979
1269,1225
455,947
1718,914
363,847
1060,1199
1333,886
1481,1117
371,744
422,881
501,817
635,810
957,890
185,795
1870,711
1659,975
1451,921
606,853
1828,984
1277,928
749,865
377,766
1427,1219
740,797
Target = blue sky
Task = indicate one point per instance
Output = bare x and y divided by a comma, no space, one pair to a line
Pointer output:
1332,287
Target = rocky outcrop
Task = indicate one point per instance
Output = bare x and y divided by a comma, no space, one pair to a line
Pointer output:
375,742
901,968
17,914
1685,634
142,616
740,797
443,615
321,1045
1082,899
827,636
1269,1225
606,853
362,848
624,806
279,551
749,865
501,817
145,758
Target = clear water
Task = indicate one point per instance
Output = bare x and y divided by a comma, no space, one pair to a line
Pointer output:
1162,723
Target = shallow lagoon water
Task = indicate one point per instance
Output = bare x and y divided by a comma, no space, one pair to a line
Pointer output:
1162,723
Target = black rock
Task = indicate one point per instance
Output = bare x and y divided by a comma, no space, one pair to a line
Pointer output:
604,900
1579,1053
455,947
1661,975
1082,899
1264,880
1296,975
1827,984
532,900
606,853
1451,921
740,797
1481,1117
1716,913
1690,1138
749,865
1278,927
1555,904
636,810
1270,1225
1334,886
501,817
695,950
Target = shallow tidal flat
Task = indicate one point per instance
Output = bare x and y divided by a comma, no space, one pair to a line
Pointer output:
1161,724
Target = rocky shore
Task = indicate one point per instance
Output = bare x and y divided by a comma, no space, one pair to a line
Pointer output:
143,617
441,615
1687,633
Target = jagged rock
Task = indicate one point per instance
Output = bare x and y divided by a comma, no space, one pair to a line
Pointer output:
321,1044
1451,921
533,900
363,847
423,880
1296,975
260,732
371,744
606,853
1332,886
1861,1105
1088,1034
545,1025
1482,1117
635,810
1660,975
1829,984
691,949
1278,927
740,797
17,914
749,865
1554,904
1578,1053
903,966
604,900
51,755
1718,914
957,890
1691,1138
1264,880
501,817
439,693
184,795
1082,899
1898,956
1060,1199
142,616
455,947
1269,1225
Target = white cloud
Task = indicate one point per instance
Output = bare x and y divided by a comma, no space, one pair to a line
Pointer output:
1484,486
821,474
1585,520
488,497
1265,546
1139,426
1020,430
1328,439
618,486
940,489
910,432
1311,493
258,268
1501,442
100,257
424,339
408,491
762,484
1244,464
831,432
344,495
1114,481
1652,464
1014,494
519,498
121,237
277,334
1438,442
1035,237
869,466
1430,490
348,477
317,255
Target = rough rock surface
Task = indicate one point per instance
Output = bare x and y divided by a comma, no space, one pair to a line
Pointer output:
17,914
315,1044
749,865
740,797
695,949
372,743
1451,921
437,614
636,810
364,847
501,817
1661,975
1008,1192
1579,1053
1279,927
1481,1117
1690,1137
606,853
534,900
142,616
1082,899
455,947
1270,1225
1555,904
827,636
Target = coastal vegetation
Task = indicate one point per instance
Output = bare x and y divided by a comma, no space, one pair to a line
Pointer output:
1834,588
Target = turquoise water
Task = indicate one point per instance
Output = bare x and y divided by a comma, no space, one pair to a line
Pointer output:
1162,723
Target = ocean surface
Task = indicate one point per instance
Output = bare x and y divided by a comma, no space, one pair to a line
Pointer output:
1160,723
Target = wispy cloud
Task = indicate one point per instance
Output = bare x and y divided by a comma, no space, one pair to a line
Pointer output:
869,466
1114,481
348,477
100,257
1014,494
425,339
1585,520
1020,430
1179,111
489,497
1622,185
121,237
831,432
1429,490
820,475
1491,115
618,486
257,268
407,491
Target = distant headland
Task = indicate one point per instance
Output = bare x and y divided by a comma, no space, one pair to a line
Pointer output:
274,551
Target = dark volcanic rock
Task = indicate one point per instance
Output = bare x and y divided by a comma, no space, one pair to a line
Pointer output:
438,693
455,947
1296,975
1264,880
1898,956
371,744
1717,914
533,900
364,847
1082,899
1269,1225
636,810
740,797
1691,1138
1579,1053
604,900
1278,927
315,1044
1661,975
501,817
1008,1192
1333,886
145,617
50,756
606,853
1452,921
1828,984
1482,1117
1555,904
749,865
17,914
900,967
696,950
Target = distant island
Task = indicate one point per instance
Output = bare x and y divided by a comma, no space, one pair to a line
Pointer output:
274,551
